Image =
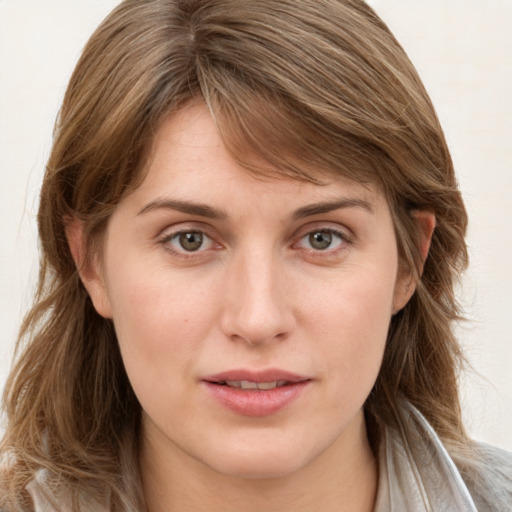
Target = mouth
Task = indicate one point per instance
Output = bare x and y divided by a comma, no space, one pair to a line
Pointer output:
260,393
255,379
251,385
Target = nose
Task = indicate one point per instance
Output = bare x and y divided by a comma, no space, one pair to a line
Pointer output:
257,307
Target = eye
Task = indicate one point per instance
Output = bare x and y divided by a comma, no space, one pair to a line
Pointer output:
188,241
323,240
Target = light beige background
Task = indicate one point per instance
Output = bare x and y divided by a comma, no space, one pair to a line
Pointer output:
463,51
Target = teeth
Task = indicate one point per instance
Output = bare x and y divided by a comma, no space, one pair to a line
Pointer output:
233,383
246,384
267,385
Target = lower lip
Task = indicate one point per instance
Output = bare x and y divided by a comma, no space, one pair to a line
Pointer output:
251,402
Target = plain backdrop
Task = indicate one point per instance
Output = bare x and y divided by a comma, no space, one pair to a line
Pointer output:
463,51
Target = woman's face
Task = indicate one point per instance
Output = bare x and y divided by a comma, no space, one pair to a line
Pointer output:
219,283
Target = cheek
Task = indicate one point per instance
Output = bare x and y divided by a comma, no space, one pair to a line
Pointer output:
151,298
161,325
356,299
351,321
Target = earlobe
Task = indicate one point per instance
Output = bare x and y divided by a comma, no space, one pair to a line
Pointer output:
406,283
88,268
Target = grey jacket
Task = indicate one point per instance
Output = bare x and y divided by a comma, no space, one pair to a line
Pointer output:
416,474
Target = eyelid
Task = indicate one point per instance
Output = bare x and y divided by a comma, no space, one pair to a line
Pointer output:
345,235
334,232
169,233
333,227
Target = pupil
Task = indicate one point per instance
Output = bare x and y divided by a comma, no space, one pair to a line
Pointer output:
191,241
320,240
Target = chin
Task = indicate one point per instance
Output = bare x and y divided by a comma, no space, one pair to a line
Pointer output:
254,463
258,470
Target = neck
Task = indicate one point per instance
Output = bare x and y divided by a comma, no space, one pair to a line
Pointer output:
343,478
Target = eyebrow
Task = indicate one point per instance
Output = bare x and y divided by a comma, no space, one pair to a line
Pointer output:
204,210
329,206
199,209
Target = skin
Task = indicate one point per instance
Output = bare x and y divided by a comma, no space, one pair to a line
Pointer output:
255,295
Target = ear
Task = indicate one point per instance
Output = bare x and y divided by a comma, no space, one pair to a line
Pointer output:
88,267
406,284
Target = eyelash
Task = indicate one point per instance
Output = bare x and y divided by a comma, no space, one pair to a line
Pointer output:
168,238
343,241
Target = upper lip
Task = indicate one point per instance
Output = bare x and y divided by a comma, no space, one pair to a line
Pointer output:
269,375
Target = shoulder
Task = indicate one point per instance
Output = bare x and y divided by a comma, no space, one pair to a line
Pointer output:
420,473
51,498
491,487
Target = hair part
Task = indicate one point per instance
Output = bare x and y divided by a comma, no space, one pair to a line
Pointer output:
297,88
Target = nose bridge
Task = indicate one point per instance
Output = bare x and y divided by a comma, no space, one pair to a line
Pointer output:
257,309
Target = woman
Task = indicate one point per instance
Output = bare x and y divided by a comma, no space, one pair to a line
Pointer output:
250,232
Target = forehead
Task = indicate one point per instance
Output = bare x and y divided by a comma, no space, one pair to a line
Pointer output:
190,138
188,152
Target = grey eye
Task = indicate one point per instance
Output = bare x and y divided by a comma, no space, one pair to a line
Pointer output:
320,240
191,241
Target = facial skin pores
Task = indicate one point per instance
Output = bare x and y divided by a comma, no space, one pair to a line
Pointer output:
251,313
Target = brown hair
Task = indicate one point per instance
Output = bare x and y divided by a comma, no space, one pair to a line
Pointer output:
297,84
